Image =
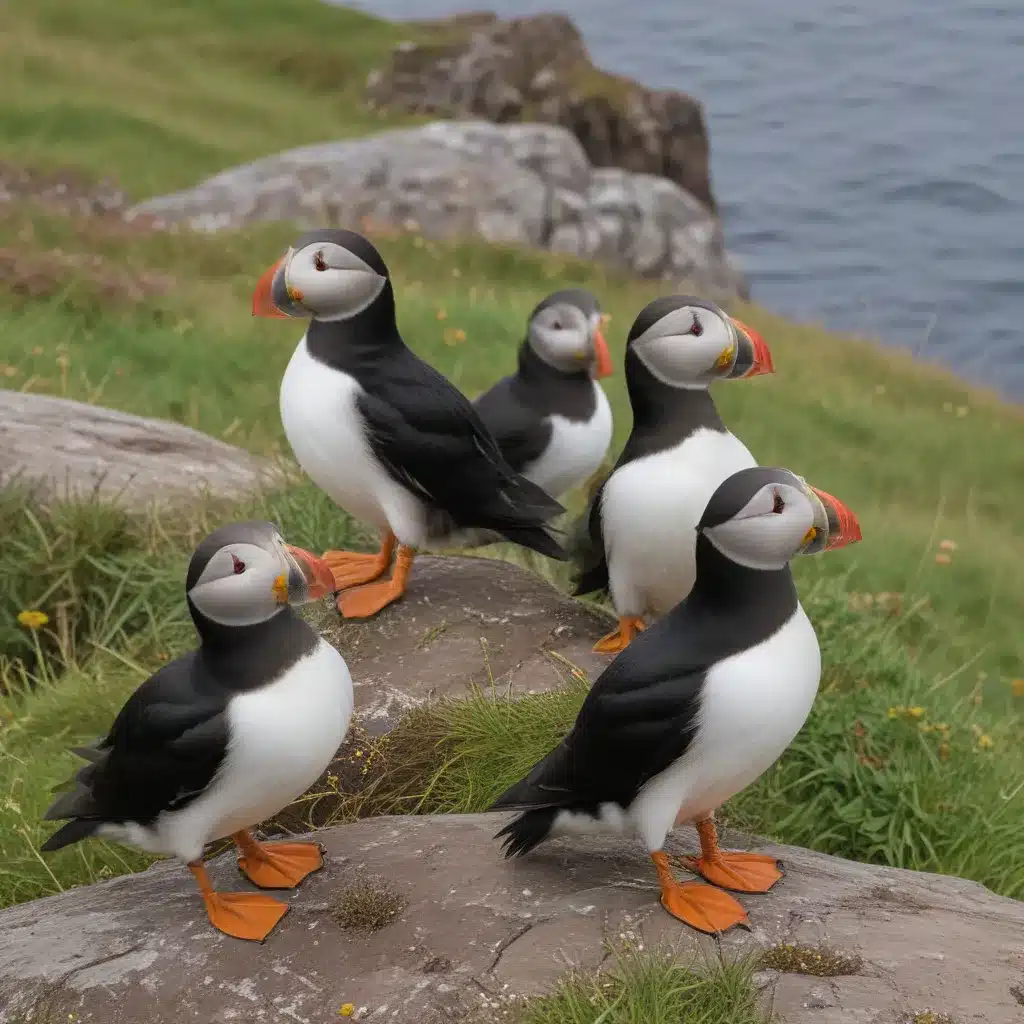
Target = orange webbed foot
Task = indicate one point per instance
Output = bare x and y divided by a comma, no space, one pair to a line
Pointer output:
278,865
352,569
244,915
367,600
619,639
740,872
703,907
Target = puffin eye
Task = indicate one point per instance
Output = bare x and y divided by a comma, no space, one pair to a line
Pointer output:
557,325
318,261
778,505
696,328
238,564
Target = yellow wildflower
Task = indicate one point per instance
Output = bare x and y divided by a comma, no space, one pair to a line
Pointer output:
1017,687
33,620
916,711
896,711
985,741
346,1010
442,314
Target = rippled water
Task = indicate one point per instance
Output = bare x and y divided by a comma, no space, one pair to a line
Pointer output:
868,157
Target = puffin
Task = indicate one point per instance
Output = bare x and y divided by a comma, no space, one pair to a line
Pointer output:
551,418
637,537
227,735
701,703
381,432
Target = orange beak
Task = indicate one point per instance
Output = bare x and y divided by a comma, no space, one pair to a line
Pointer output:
319,577
843,527
762,354
262,303
604,366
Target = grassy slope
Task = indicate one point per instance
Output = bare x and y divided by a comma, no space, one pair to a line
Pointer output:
159,96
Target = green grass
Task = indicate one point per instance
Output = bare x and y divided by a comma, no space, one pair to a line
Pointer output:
159,96
642,987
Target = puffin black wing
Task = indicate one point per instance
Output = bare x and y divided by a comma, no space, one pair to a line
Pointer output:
521,432
638,718
588,549
164,747
429,437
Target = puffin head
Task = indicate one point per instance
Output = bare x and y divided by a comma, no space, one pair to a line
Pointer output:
328,274
762,517
565,332
244,573
686,342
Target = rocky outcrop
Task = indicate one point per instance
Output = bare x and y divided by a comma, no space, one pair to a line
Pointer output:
420,921
538,69
463,623
528,184
73,448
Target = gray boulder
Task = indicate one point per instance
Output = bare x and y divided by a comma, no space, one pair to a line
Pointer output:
464,622
526,184
420,921
537,68
71,448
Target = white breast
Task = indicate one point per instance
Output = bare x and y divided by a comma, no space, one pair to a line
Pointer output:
752,706
282,737
575,451
327,434
649,513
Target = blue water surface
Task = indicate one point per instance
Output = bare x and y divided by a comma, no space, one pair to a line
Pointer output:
868,157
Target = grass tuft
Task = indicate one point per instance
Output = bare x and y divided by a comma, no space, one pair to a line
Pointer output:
647,988
366,905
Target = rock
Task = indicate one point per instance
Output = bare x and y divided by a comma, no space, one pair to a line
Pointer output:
464,622
73,448
527,184
473,930
538,69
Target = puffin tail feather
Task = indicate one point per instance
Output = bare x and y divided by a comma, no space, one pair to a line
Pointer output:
74,831
536,538
526,831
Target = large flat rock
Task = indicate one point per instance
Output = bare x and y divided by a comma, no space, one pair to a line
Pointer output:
465,622
72,448
475,930
523,184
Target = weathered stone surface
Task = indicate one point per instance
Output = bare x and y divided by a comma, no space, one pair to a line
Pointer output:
538,69
464,622
477,930
528,184
73,448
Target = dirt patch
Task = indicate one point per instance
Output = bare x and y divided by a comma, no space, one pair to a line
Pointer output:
817,961
63,189
366,905
76,277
